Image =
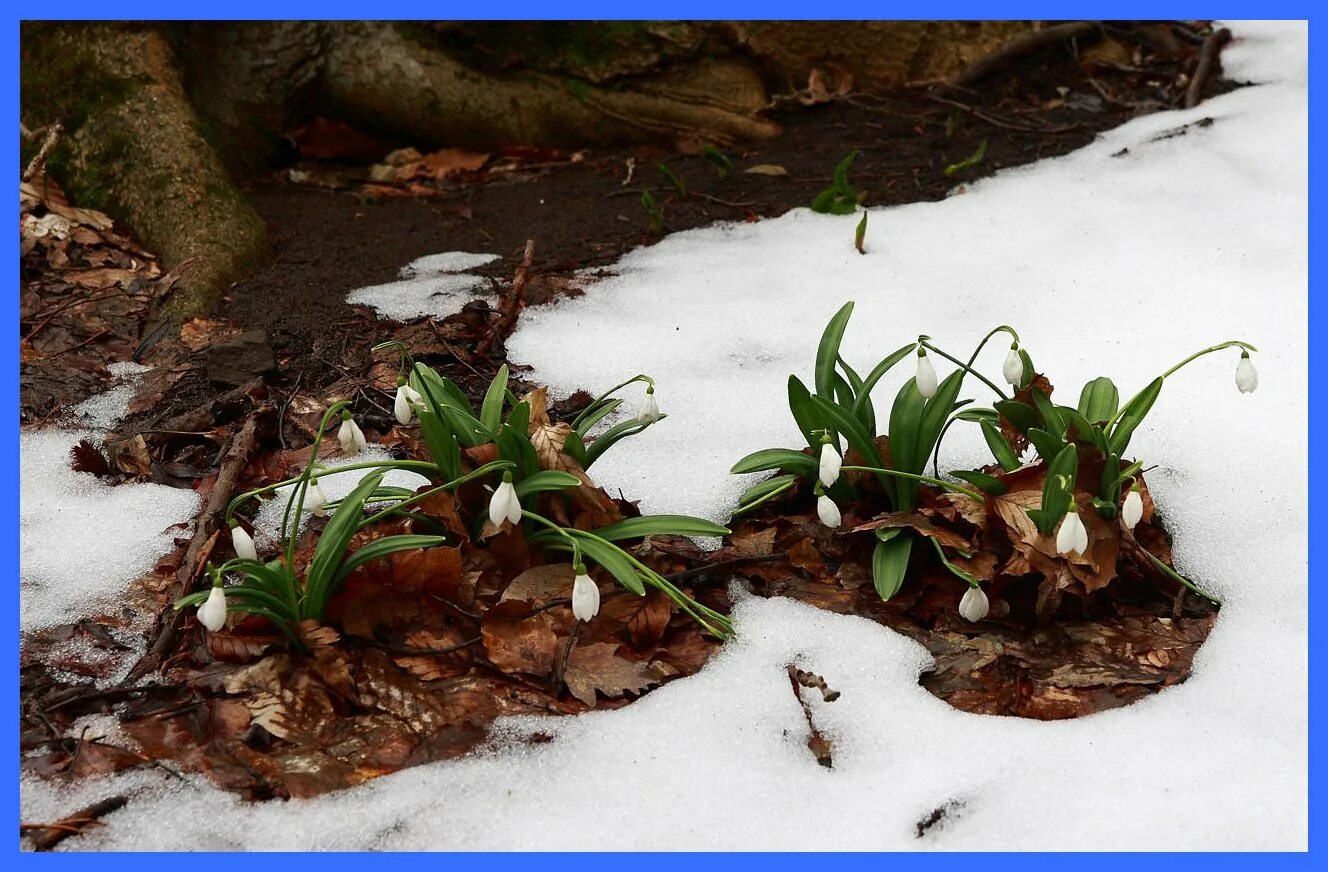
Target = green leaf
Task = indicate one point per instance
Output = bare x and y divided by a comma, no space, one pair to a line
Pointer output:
865,412
545,480
575,448
1029,372
1133,415
1000,448
982,481
723,166
333,542
673,179
444,448
764,491
380,548
1085,432
439,390
860,235
1105,508
1046,445
972,160
612,436
905,418
828,351
514,445
804,410
878,372
1052,421
980,415
1099,399
1020,415
778,458
1111,480
960,573
593,416
611,558
491,410
843,421
890,565
660,525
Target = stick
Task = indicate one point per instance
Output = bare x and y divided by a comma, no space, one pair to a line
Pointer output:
510,307
1208,63
724,564
989,63
47,836
205,532
38,163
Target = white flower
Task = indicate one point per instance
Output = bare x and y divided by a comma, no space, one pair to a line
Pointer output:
212,613
243,543
351,437
405,396
926,378
585,598
1072,535
504,504
315,499
1133,509
830,464
649,411
974,605
1247,378
829,512
1013,370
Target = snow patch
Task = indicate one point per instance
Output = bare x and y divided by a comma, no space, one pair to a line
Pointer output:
435,286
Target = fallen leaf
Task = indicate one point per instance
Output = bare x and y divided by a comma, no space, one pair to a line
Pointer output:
597,667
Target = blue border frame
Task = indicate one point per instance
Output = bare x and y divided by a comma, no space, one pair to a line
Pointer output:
772,9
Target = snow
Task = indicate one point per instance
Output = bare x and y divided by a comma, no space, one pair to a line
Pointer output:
81,541
1117,265
436,285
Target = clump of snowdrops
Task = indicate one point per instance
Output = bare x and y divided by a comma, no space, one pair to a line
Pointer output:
837,417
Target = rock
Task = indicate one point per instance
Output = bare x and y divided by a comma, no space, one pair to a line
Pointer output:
240,359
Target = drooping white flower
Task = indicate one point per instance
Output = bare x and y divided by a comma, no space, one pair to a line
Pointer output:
585,597
1072,536
351,436
315,499
1247,377
649,411
828,512
243,543
1133,510
504,504
974,605
830,464
926,378
402,407
1013,370
212,613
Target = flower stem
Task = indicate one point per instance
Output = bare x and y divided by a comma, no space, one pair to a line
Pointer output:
1232,343
927,478
1004,328
454,483
610,392
925,342
576,549
420,465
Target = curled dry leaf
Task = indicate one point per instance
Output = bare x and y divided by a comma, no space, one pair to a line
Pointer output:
597,667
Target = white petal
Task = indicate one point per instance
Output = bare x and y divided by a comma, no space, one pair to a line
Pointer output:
513,507
1013,370
314,500
926,379
1247,377
401,408
500,504
1133,510
828,512
212,613
649,411
830,464
974,605
351,437
243,543
585,598
1071,536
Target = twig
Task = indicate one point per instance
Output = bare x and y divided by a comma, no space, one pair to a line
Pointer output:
510,306
992,119
206,529
47,836
724,564
1208,63
285,404
989,63
38,163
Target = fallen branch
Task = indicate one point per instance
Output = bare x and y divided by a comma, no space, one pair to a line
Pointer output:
1208,64
46,836
510,305
206,531
1024,45
38,162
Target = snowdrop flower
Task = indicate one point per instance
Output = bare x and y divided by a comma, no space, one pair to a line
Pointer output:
585,596
504,503
926,378
649,411
1133,509
402,407
242,542
1247,378
315,499
974,605
212,613
1013,370
828,512
1072,535
350,435
830,463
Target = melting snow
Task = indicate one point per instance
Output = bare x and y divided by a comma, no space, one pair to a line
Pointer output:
436,285
1105,264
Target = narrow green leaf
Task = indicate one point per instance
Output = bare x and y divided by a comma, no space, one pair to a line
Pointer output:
1133,415
890,565
982,481
828,351
1000,448
612,436
1052,421
332,544
491,410
380,548
1021,416
764,491
1099,399
545,480
598,413
843,421
1046,445
778,458
804,410
660,525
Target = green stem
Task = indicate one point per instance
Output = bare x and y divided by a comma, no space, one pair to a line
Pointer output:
1233,343
420,465
610,392
454,483
297,499
1177,576
927,478
576,549
925,342
1004,328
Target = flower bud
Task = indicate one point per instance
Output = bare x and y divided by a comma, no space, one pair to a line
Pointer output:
1013,370
830,463
974,605
1247,378
926,377
315,499
243,543
1133,510
402,407
350,435
585,596
212,613
504,504
828,512
1072,536
649,411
